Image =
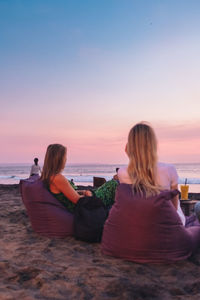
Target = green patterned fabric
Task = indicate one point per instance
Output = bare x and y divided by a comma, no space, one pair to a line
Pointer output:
69,205
73,185
106,192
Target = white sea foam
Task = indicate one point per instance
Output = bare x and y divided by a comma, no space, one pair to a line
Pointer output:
82,174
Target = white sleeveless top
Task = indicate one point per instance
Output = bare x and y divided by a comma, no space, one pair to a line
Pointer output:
166,177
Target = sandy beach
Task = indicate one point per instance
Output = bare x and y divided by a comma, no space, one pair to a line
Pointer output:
34,267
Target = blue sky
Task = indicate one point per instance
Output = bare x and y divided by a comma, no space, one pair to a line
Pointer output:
84,72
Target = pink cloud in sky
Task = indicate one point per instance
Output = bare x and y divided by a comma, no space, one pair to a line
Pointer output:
179,143
176,143
82,148
179,131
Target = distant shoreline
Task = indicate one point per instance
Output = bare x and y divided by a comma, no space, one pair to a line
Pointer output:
192,196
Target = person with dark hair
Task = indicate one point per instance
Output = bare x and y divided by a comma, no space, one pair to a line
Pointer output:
35,168
115,177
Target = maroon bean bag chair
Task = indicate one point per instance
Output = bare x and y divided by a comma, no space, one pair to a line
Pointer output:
47,215
147,230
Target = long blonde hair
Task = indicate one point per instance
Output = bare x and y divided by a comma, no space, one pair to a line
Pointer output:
53,162
142,152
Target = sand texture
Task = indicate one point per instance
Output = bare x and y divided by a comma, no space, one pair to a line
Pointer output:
34,267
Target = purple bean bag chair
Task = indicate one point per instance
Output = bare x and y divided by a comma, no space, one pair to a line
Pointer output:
147,230
47,215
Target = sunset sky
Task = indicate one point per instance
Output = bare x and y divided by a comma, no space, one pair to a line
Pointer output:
82,73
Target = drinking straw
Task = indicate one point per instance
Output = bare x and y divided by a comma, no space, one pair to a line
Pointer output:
185,181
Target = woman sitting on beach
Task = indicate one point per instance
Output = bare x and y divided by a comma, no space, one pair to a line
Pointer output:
143,224
142,152
57,184
143,170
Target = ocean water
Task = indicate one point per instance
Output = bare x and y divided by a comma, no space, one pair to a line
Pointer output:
82,174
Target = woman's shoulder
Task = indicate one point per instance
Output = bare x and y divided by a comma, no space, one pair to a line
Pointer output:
122,171
123,175
166,168
58,178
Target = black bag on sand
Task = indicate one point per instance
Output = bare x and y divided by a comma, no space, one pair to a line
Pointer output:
89,218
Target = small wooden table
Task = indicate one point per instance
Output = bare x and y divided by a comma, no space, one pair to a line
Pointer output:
188,206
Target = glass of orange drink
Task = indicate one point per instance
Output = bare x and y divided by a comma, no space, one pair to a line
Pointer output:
184,191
